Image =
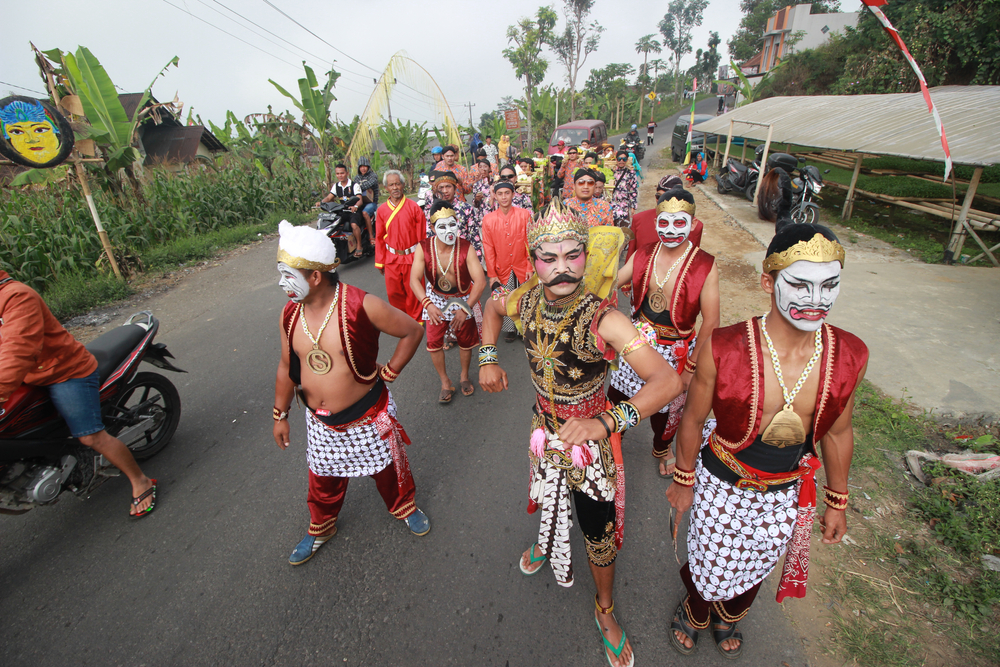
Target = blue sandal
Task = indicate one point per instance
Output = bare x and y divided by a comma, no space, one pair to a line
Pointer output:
531,561
621,646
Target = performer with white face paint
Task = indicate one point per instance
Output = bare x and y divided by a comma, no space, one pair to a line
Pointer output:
671,281
329,334
444,270
571,331
779,385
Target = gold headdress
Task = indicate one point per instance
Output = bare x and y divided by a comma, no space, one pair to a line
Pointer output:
818,249
556,223
675,205
306,248
443,212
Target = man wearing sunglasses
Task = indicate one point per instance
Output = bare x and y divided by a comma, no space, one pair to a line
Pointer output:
568,169
595,212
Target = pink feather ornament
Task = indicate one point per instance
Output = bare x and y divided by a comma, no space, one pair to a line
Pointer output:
538,442
581,456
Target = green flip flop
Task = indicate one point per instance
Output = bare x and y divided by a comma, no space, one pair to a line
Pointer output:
531,561
621,646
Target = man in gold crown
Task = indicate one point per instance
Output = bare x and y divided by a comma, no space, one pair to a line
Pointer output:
571,331
671,281
351,426
752,488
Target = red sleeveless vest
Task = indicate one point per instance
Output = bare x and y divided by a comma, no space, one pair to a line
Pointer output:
685,302
358,336
431,270
739,386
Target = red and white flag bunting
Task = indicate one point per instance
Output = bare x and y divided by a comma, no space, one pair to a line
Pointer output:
873,5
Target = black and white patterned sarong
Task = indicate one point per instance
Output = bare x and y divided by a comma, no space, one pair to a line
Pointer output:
628,382
357,452
508,324
448,314
736,536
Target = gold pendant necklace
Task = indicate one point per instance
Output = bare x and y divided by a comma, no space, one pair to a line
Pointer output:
657,300
319,362
443,281
786,428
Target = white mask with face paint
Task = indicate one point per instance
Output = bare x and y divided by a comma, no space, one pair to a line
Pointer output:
673,228
293,282
446,230
805,292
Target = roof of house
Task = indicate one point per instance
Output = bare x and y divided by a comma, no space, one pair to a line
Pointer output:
895,124
169,140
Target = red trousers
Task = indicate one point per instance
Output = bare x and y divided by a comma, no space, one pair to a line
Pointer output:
326,497
700,610
397,289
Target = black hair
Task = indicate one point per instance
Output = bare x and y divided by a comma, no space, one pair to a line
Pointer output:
676,193
620,153
483,160
790,234
489,136
447,148
340,165
590,154
507,166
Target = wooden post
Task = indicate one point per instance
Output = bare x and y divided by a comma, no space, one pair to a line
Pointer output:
105,241
763,162
715,158
729,141
957,240
743,153
849,202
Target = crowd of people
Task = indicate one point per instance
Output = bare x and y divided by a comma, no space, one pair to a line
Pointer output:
551,262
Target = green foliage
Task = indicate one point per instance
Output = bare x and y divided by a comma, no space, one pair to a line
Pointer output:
745,42
681,17
966,511
314,103
707,65
578,40
990,174
527,37
609,81
74,293
406,143
809,72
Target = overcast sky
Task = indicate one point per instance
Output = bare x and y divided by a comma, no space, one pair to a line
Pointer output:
458,42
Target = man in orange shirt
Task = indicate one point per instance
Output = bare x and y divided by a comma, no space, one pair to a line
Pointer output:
36,349
505,246
400,225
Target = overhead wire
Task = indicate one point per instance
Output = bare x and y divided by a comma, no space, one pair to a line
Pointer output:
14,85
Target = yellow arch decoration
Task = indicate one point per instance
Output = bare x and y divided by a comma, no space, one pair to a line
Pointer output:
400,66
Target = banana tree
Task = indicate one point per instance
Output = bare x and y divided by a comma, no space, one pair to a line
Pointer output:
406,144
315,107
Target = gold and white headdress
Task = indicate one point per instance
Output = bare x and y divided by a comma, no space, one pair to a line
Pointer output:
306,248
818,249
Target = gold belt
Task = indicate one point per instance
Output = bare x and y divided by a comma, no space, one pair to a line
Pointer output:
408,251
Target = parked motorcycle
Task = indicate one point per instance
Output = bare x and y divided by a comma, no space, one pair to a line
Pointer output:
38,457
808,184
335,218
738,177
424,194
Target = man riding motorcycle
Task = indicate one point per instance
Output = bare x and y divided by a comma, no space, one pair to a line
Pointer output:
633,135
35,349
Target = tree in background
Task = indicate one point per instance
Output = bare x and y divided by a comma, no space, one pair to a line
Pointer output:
607,89
745,42
707,66
315,107
579,39
681,17
528,36
407,144
647,44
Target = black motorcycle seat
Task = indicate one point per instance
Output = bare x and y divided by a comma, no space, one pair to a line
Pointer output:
114,347
738,166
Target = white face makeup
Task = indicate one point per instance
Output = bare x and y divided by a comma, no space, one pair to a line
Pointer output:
293,282
805,292
446,229
673,228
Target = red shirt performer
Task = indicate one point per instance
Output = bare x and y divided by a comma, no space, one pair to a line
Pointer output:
400,225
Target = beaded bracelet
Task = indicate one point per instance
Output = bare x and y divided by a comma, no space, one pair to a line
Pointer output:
835,499
279,415
488,355
387,374
500,293
683,477
426,302
625,416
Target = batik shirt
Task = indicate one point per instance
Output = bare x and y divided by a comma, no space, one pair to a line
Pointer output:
465,177
626,194
492,154
595,212
468,223
566,172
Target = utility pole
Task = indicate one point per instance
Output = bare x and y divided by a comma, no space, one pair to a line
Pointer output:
470,105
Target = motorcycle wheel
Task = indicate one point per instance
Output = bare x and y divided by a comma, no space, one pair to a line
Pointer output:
149,394
719,186
809,215
750,190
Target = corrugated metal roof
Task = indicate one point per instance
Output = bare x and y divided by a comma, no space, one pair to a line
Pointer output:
897,124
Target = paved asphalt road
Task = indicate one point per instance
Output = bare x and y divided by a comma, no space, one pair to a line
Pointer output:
205,579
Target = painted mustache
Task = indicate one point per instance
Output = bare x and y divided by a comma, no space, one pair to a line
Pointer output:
564,278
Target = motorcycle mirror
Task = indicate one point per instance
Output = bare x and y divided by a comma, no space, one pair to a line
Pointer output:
801,159
826,171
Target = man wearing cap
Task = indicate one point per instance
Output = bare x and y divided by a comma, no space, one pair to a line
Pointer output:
625,196
671,283
400,225
464,178
351,426
505,246
595,212
568,169
446,189
445,269
778,384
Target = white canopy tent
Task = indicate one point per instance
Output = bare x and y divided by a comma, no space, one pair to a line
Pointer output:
897,124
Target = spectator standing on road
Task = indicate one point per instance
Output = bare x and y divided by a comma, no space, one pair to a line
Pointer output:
650,130
491,152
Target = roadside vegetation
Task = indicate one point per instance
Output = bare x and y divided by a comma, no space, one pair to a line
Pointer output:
910,586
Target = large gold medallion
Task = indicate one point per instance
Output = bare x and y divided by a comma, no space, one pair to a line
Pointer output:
444,284
785,430
319,361
657,302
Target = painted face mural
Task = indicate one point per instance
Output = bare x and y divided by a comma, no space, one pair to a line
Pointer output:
805,292
293,282
33,133
446,230
560,266
673,228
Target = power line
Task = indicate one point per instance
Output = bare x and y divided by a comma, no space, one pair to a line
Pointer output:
267,31
23,88
229,18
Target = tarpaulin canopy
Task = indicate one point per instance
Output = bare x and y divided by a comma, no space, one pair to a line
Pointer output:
896,124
